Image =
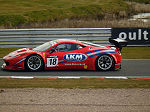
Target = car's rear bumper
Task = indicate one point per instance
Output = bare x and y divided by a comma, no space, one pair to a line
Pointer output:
117,66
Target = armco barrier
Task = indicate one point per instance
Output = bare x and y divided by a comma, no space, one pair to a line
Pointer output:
34,37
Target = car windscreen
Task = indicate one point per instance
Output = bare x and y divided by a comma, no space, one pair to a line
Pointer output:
44,47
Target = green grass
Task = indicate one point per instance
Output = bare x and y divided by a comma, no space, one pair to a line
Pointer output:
127,52
14,13
73,83
136,53
5,51
37,13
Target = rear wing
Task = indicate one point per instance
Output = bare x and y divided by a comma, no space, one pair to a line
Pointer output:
119,43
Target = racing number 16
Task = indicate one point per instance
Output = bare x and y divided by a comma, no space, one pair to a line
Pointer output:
51,62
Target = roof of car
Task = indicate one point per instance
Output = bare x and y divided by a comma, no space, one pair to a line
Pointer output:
67,40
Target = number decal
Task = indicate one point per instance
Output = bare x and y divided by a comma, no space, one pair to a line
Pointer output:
52,62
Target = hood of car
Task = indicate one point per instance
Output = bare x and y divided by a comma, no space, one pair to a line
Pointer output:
17,53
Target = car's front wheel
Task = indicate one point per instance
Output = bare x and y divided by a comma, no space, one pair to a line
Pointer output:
34,63
105,62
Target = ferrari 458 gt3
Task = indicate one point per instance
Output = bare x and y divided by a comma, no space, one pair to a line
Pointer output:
66,54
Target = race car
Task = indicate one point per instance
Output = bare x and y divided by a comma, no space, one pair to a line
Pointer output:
66,54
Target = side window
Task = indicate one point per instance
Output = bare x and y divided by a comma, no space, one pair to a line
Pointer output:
67,47
63,47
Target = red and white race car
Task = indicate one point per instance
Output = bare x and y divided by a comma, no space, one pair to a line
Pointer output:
66,54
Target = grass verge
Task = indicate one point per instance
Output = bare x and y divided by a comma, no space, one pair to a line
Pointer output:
73,83
127,52
46,13
15,12
136,53
5,51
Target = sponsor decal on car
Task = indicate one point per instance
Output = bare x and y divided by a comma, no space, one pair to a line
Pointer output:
75,64
85,66
75,57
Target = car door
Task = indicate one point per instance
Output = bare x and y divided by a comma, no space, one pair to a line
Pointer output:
66,56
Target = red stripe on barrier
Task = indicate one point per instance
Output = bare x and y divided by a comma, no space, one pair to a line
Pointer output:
5,77
45,77
92,77
138,77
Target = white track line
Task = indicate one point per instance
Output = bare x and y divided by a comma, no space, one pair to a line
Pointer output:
116,77
69,77
22,77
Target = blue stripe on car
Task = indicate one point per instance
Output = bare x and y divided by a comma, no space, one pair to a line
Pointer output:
20,61
100,54
95,51
62,62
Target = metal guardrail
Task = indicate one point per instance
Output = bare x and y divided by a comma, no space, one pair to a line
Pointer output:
34,37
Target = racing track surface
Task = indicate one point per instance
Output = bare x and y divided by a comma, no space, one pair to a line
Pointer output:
129,68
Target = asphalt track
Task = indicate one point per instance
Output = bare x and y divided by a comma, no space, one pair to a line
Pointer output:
139,68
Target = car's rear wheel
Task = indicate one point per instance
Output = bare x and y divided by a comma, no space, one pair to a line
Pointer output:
105,62
34,63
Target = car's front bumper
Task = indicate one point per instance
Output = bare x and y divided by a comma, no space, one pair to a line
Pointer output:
10,64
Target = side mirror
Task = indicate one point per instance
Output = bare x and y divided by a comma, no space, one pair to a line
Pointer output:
52,50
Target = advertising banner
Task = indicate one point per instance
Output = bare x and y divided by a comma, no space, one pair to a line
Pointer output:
134,36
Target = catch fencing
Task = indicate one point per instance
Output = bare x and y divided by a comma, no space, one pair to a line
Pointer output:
33,37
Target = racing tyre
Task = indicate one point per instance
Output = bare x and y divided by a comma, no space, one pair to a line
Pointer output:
105,63
34,63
